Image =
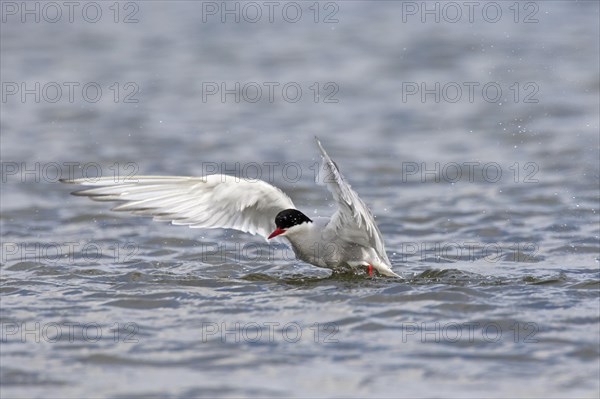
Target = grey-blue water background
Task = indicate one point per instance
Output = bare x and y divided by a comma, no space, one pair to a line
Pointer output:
502,273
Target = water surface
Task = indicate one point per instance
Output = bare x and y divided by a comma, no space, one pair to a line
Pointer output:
489,208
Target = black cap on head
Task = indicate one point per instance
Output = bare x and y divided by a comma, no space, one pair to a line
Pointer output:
290,217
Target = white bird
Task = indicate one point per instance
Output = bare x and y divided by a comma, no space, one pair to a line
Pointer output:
350,239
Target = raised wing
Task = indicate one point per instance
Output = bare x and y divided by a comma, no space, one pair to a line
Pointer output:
213,201
353,221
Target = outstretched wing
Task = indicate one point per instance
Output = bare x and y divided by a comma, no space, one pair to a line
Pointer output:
213,201
353,221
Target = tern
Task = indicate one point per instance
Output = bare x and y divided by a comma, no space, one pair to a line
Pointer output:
347,241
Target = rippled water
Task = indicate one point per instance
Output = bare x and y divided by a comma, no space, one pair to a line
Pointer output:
489,208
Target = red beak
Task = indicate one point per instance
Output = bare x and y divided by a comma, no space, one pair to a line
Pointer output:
276,232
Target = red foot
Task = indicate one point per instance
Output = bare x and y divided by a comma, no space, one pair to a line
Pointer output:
370,270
